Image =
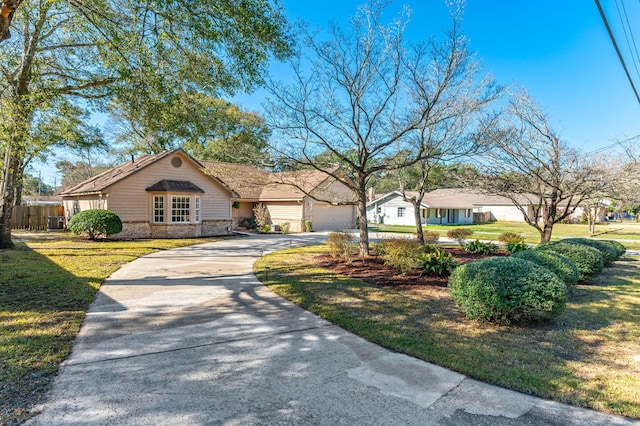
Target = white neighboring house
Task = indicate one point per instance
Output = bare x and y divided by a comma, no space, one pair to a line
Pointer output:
393,209
447,206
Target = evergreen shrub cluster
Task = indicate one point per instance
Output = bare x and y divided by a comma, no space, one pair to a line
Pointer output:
530,285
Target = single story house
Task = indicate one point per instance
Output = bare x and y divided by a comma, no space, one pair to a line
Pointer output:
446,206
165,195
293,197
171,195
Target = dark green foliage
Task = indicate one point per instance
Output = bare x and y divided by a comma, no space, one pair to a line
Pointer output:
620,248
480,247
516,246
587,259
248,222
609,253
510,237
507,290
401,254
437,261
459,234
341,244
95,223
560,265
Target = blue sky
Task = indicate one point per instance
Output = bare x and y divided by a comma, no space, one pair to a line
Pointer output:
558,50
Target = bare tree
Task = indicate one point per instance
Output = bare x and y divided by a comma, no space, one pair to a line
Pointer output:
455,94
362,95
529,164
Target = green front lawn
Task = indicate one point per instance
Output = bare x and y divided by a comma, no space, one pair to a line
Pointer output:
588,357
626,232
46,287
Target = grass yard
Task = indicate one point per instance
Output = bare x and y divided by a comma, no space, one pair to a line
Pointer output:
588,357
626,232
46,287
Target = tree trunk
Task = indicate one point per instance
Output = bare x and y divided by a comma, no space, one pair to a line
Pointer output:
11,164
416,215
545,233
362,218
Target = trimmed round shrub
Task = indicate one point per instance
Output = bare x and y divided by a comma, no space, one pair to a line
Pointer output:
430,236
587,259
609,253
510,237
620,248
459,235
95,223
341,244
560,265
507,290
402,254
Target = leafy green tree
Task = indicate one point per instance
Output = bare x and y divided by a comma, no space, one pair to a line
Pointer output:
130,52
206,127
33,185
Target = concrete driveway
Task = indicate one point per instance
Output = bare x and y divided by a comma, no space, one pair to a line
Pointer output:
190,337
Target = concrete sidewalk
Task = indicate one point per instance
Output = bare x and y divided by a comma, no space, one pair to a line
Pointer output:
190,337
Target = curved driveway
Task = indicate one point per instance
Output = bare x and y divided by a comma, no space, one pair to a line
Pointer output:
190,337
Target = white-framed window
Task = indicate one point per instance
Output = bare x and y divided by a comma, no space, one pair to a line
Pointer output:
468,213
180,209
196,209
401,211
438,212
158,209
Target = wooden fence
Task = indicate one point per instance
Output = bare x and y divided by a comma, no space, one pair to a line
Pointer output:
36,218
482,217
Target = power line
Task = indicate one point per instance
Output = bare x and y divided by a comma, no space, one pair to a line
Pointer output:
615,46
635,57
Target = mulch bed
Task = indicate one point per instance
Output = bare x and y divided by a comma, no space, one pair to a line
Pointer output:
371,269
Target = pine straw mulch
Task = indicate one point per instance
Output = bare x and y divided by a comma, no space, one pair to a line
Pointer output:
371,269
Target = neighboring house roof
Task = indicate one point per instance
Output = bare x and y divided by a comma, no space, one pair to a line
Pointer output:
455,198
104,180
382,198
478,198
175,186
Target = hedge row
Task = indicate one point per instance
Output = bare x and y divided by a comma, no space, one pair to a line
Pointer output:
530,285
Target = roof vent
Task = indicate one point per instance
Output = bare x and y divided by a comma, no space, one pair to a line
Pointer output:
176,162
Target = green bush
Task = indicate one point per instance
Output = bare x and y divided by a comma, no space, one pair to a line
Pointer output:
265,229
459,234
95,223
620,248
588,260
507,290
341,244
510,237
248,222
560,265
516,246
609,253
480,247
401,254
430,236
437,261
284,227
308,226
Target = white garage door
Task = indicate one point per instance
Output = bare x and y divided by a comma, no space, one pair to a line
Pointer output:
333,218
